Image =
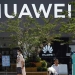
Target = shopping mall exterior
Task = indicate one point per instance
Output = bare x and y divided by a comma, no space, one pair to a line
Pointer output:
62,51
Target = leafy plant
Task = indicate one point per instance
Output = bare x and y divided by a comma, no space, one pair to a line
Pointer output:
44,64
27,32
33,59
27,64
44,68
38,59
30,64
41,68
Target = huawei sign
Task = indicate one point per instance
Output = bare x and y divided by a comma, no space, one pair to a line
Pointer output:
25,10
47,50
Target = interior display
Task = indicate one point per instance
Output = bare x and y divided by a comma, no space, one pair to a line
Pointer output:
63,69
7,58
5,61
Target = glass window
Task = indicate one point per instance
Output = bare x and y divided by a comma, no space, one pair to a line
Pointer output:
8,51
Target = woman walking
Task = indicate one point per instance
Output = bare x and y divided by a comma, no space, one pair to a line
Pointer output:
23,68
20,63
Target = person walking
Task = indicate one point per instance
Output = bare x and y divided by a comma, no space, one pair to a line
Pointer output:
54,69
23,67
56,66
20,63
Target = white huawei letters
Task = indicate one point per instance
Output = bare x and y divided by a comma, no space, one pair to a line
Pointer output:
56,10
25,11
25,7
6,11
41,9
69,11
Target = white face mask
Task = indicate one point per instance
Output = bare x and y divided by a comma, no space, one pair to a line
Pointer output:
18,53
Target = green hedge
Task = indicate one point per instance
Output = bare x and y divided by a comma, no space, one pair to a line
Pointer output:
31,59
30,64
44,63
41,68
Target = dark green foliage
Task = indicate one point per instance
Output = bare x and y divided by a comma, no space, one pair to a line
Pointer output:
41,68
29,32
44,64
30,64
33,59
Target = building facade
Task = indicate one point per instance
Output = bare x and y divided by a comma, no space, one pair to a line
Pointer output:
60,50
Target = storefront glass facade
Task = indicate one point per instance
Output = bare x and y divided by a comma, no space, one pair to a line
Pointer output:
12,54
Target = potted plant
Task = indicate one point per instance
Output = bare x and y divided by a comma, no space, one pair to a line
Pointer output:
43,63
41,68
31,67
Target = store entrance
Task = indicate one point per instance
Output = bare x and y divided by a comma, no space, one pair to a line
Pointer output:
61,50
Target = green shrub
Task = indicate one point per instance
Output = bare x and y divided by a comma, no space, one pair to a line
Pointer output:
33,59
38,59
44,68
30,64
26,60
41,68
27,65
44,64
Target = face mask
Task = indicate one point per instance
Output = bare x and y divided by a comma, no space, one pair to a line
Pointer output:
18,53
